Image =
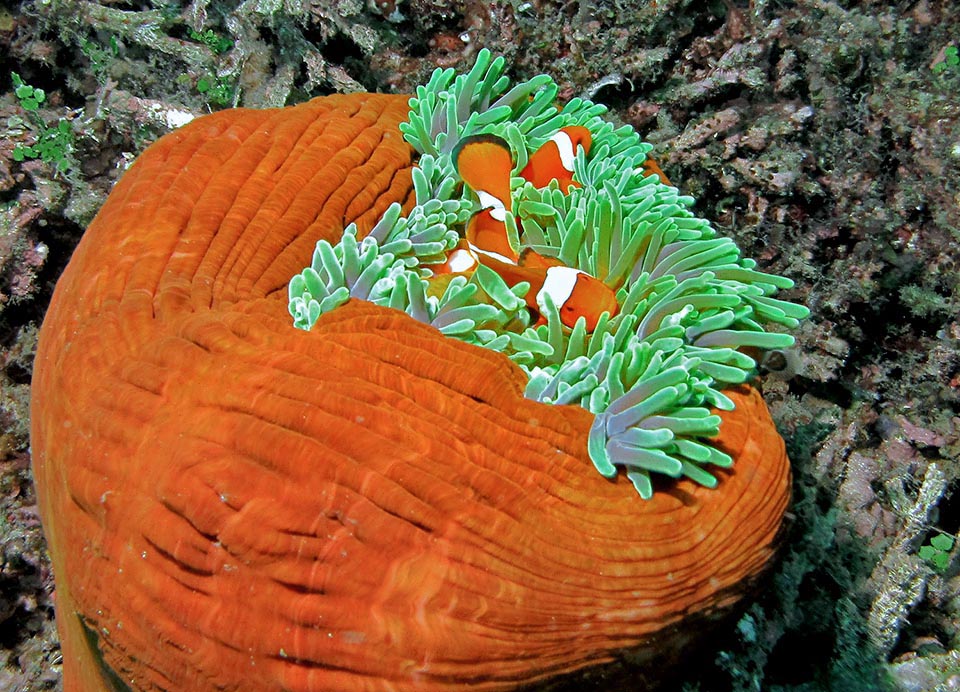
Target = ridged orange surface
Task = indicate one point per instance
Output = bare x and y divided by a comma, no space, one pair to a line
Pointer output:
233,504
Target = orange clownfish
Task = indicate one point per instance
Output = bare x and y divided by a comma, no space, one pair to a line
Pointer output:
484,163
574,292
554,160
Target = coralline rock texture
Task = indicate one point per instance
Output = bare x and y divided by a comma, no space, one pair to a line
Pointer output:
233,504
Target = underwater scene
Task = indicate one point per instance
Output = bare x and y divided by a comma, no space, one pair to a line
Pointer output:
496,346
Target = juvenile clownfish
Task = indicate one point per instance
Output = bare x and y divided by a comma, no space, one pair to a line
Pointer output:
484,163
554,160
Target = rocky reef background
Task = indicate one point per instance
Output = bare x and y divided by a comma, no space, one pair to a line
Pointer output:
823,136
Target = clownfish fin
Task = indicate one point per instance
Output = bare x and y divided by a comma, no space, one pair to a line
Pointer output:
554,160
484,162
650,167
533,259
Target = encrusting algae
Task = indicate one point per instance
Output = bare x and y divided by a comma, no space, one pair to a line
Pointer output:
394,499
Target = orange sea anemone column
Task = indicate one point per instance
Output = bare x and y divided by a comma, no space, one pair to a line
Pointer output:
235,504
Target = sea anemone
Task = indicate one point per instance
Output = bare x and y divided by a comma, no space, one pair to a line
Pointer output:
688,302
233,503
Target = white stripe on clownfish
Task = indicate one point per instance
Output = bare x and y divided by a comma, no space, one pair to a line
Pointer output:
565,149
558,284
498,209
461,260
489,253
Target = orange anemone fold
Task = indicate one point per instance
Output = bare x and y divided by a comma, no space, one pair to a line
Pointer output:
235,504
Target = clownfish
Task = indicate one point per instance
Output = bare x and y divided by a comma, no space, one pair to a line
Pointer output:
575,292
484,162
554,160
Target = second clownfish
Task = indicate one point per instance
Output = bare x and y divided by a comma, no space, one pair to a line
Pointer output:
484,162
554,160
